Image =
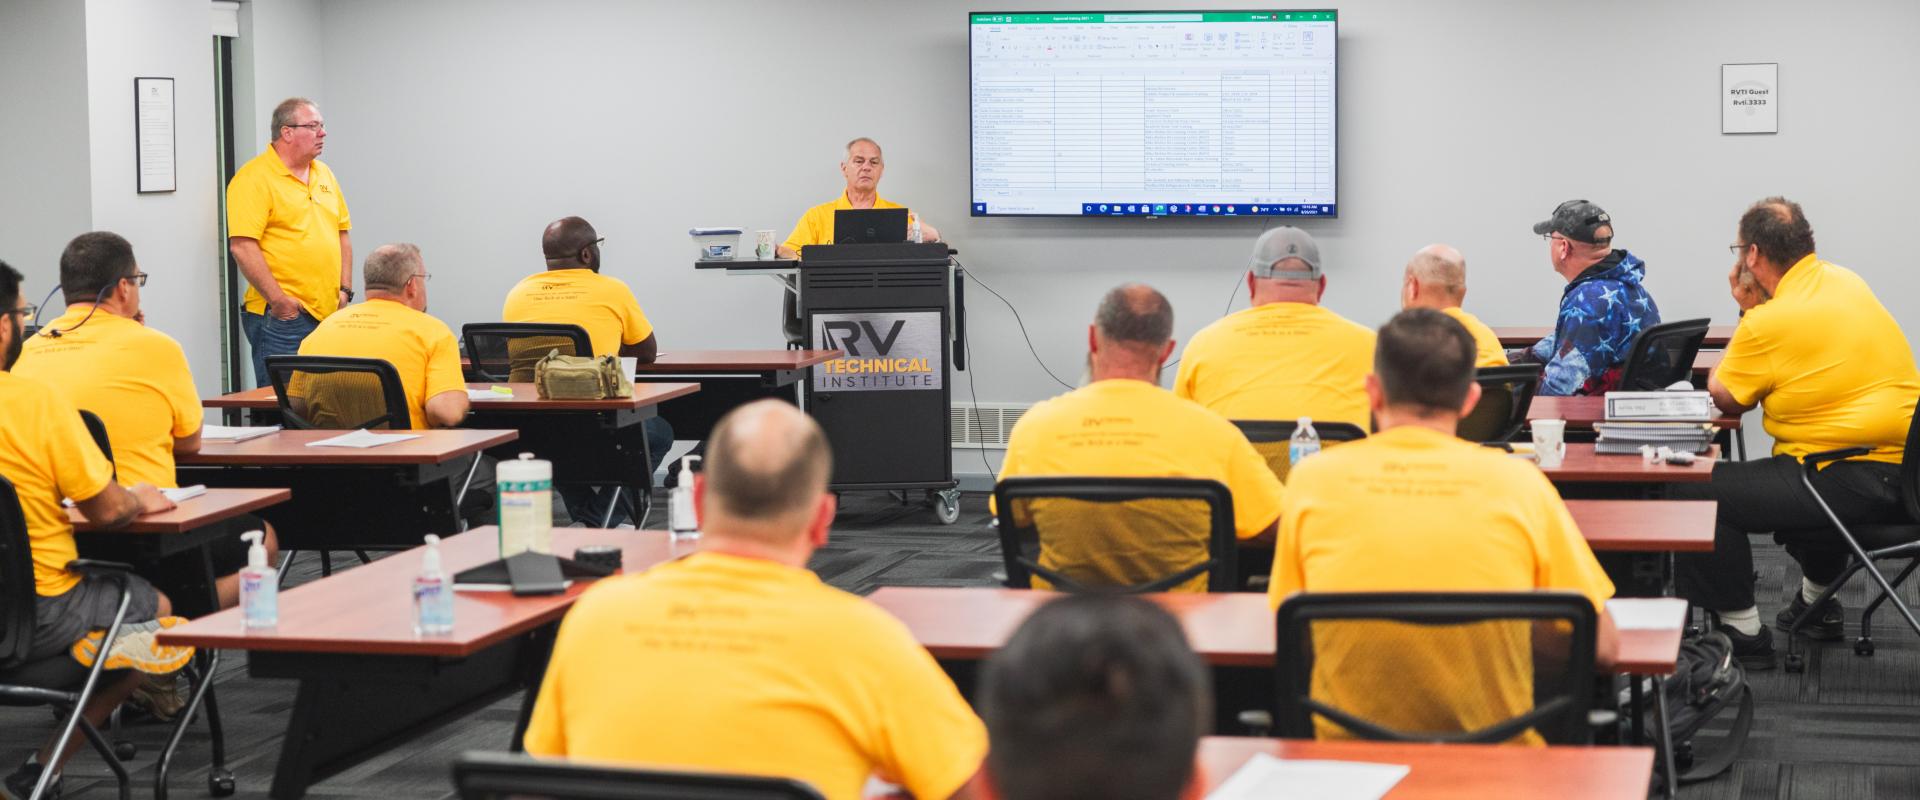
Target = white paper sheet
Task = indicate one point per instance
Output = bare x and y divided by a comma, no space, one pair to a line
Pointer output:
1264,777
229,433
362,439
478,395
1647,613
184,493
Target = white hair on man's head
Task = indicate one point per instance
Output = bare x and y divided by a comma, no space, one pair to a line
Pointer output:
1440,268
849,148
389,266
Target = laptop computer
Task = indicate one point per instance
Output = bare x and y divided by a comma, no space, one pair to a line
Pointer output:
870,226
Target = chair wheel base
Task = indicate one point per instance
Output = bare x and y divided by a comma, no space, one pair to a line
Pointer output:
1796,662
1863,647
220,783
125,751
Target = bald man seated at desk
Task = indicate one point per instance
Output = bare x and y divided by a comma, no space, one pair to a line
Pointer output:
1437,279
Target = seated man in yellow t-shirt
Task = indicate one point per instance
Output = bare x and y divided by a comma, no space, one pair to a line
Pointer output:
573,291
1415,508
1437,279
47,454
391,325
101,358
1124,424
1831,369
1287,356
1096,695
738,659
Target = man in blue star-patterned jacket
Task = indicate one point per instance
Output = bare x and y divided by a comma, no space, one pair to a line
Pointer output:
1603,307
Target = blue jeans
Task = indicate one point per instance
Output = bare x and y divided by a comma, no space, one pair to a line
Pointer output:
267,336
588,504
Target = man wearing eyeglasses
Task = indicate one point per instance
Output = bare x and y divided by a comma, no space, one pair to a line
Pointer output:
287,228
392,325
1603,307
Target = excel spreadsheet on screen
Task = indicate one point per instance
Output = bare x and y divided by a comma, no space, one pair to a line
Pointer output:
1199,113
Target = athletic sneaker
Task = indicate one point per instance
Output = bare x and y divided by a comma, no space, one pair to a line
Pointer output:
1829,626
136,648
19,785
1755,653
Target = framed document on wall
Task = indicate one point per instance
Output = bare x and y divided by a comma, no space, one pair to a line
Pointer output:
153,127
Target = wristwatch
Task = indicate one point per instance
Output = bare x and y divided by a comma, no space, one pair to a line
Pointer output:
349,291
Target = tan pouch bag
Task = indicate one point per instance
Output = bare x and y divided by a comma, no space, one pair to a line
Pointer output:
558,377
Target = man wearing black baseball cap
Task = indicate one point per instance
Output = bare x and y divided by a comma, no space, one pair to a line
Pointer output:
1602,308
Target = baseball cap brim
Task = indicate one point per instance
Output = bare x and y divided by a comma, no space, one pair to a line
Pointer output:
1543,227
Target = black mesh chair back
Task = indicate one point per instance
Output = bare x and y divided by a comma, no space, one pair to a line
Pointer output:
1662,355
1436,666
1506,393
507,351
1273,439
338,393
500,776
98,430
16,580
1116,534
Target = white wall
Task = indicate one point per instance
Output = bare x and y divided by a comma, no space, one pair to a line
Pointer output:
277,56
44,162
175,235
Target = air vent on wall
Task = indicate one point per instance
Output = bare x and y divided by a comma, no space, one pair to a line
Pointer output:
985,425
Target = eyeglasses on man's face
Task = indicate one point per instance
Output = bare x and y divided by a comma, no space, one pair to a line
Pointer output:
315,126
138,278
1737,249
26,313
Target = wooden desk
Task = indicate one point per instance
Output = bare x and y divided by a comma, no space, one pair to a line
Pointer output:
1581,412
217,505
728,379
1459,770
368,681
1227,630
1582,465
1526,335
1645,526
344,498
525,398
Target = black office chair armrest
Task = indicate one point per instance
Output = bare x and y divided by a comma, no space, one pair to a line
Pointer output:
87,566
1815,459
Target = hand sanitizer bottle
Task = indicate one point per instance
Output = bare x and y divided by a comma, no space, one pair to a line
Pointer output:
682,518
1305,442
432,594
259,586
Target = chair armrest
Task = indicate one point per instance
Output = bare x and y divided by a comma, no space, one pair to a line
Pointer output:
1814,459
85,566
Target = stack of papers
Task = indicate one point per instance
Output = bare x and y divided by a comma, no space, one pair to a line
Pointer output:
1647,613
227,433
1627,437
1264,777
495,393
363,439
184,493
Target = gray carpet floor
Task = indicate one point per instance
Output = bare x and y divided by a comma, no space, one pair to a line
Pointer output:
1848,729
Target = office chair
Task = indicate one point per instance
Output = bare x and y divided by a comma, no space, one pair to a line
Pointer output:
1506,393
98,430
1273,439
338,393
1117,534
508,351
1865,544
1415,643
501,776
1662,355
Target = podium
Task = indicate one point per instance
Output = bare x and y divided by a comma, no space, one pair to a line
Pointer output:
896,311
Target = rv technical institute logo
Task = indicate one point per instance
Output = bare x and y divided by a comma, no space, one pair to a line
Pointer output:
885,351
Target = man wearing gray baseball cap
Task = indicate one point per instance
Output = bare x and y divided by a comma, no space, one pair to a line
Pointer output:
1603,307
1287,356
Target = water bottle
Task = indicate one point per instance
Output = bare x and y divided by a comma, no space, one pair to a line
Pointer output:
259,586
432,594
913,228
682,518
526,505
1305,441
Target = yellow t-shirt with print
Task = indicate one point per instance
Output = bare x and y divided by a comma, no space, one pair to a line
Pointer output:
1413,509
134,377
1280,361
1128,428
1828,365
46,452
298,226
601,304
421,348
1486,343
816,225
731,664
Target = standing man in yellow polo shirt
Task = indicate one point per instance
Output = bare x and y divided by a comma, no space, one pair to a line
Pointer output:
573,291
738,659
1124,425
47,454
101,358
1437,279
1287,356
1831,369
287,228
862,168
1415,508
392,325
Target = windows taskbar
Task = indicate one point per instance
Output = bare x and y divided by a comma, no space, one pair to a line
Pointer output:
1178,210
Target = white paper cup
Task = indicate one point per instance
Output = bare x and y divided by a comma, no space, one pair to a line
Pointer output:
1549,442
630,366
763,244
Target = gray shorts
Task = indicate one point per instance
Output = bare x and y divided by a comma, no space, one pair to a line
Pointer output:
61,620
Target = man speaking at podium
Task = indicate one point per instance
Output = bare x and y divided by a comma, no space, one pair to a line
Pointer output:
862,168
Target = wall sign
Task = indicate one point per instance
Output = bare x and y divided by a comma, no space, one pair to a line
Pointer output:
1749,98
153,134
886,351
